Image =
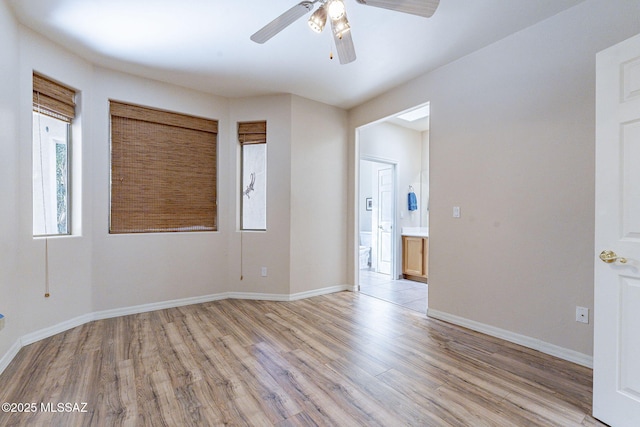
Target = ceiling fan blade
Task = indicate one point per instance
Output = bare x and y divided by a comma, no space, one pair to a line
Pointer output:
424,8
343,40
345,48
282,22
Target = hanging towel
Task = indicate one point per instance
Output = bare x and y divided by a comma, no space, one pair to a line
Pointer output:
412,201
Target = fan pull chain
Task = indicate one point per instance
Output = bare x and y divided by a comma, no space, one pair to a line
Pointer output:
46,268
241,256
330,48
47,293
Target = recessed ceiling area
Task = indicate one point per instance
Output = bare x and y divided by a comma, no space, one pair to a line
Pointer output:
205,44
416,118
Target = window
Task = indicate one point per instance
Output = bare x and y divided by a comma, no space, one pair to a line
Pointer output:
163,171
253,144
53,112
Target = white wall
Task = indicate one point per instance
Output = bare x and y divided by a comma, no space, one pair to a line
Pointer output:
424,176
318,188
512,143
403,147
10,329
138,269
268,248
70,257
365,191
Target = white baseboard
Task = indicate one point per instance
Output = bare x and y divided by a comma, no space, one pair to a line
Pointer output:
9,355
144,308
288,297
318,292
533,343
55,329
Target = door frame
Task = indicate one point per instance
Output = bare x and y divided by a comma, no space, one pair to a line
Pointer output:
394,230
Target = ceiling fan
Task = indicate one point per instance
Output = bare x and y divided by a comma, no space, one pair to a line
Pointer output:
335,12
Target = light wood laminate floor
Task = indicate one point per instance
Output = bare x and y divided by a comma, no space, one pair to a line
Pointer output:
344,359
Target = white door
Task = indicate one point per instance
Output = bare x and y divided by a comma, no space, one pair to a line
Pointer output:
385,220
616,358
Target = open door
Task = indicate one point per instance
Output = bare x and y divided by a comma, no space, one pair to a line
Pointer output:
386,214
616,387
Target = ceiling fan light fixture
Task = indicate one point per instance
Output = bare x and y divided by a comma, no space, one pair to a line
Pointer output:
336,9
318,19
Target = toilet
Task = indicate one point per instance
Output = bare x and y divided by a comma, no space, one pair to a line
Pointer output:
365,250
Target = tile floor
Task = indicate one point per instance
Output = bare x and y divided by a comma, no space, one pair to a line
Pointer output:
407,293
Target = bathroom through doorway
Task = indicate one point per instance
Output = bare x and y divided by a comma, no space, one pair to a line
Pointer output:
377,217
393,205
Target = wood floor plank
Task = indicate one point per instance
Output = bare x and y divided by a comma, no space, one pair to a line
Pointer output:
317,404
128,393
332,395
425,396
343,359
399,409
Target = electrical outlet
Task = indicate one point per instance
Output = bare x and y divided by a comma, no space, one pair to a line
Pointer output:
582,314
263,271
456,211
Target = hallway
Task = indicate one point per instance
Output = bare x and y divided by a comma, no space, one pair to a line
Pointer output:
407,293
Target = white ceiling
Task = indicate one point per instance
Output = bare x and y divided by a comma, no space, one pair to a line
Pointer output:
204,44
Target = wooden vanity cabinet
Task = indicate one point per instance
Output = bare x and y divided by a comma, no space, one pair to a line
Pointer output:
415,252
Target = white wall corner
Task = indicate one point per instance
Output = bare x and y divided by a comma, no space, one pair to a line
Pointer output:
9,355
533,343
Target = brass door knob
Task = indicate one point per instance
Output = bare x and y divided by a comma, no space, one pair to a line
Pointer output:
611,257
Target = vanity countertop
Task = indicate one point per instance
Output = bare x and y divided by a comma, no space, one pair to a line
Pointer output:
415,231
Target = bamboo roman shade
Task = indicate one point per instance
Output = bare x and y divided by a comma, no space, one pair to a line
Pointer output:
252,132
53,99
163,171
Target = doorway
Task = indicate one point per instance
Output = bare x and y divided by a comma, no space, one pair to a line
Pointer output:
378,231
377,217
392,159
